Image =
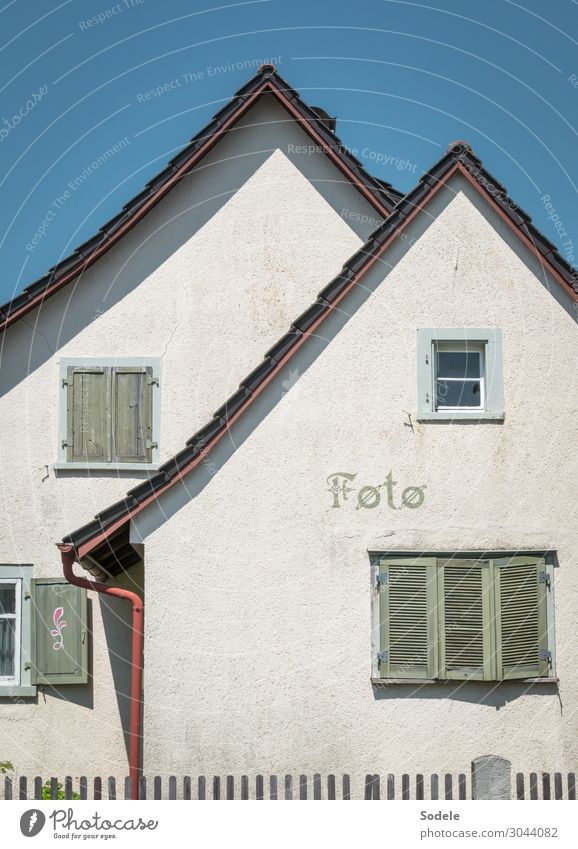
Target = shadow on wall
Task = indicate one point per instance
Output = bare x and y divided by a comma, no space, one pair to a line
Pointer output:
116,619
198,198
489,694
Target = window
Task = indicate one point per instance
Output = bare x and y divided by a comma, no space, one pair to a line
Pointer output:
9,632
109,413
15,672
485,618
43,632
460,374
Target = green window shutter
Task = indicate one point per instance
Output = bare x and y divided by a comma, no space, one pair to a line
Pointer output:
88,415
132,414
465,618
408,618
59,644
522,632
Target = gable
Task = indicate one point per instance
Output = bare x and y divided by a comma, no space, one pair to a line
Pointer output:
393,237
380,195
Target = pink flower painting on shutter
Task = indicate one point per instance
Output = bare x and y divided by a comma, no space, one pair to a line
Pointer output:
59,624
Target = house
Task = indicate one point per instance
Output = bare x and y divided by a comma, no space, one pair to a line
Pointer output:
328,435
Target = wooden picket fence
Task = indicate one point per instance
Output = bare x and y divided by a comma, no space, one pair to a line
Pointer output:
302,787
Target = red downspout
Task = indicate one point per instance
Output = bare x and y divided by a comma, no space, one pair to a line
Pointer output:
68,558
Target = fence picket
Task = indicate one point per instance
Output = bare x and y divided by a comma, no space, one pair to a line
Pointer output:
111,787
434,786
97,788
391,786
571,785
23,788
157,787
244,787
83,788
54,787
533,785
142,787
172,786
127,787
405,786
317,786
68,787
273,787
448,786
8,788
187,787
288,787
201,787
230,787
259,788
419,787
520,786
216,787
346,784
546,793
331,787
462,788
303,787
558,791
38,787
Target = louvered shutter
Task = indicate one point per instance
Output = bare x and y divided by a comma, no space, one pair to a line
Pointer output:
522,634
59,639
408,614
132,414
88,415
465,619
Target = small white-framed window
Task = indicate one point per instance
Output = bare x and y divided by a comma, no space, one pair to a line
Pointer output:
109,410
10,631
459,374
459,380
15,630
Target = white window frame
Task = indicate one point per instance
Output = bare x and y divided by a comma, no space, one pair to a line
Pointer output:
62,464
21,683
460,347
489,340
13,680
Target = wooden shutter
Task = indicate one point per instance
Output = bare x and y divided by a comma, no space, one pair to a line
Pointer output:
59,645
132,414
465,618
408,618
88,415
522,586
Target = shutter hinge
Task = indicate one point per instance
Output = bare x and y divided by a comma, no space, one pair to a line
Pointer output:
546,655
382,579
64,443
544,578
151,444
66,382
382,656
153,381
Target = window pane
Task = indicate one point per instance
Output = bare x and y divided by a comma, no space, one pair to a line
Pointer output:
7,598
458,393
458,364
7,646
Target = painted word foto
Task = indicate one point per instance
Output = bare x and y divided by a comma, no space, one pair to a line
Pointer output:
369,497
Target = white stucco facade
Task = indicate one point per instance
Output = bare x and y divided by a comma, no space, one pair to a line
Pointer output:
258,638
206,283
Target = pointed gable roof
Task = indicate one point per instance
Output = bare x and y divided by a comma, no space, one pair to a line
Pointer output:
106,538
316,124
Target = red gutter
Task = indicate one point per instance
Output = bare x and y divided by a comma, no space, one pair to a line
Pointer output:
165,188
68,558
97,540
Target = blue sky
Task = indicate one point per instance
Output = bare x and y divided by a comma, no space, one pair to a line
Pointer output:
404,80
